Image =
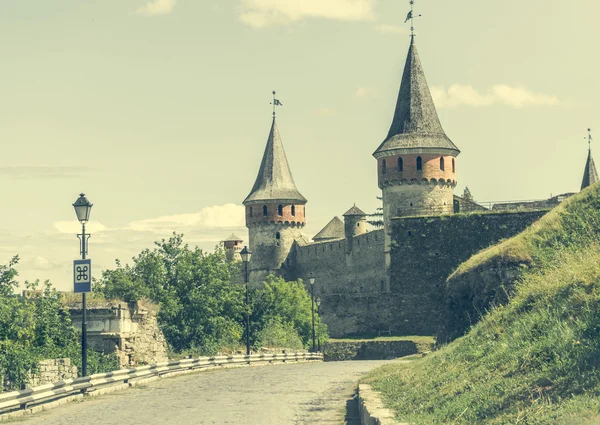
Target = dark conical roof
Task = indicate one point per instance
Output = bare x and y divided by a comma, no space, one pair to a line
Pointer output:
333,230
354,211
590,175
233,238
416,124
274,181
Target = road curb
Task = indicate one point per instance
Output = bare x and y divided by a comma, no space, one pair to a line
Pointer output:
371,409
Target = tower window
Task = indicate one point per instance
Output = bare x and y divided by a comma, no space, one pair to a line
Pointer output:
442,163
419,163
383,167
400,164
265,210
280,210
250,211
293,210
277,235
357,224
453,166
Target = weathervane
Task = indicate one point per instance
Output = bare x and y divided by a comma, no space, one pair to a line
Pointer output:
411,17
589,139
275,103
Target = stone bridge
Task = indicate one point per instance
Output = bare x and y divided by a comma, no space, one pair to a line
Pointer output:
305,393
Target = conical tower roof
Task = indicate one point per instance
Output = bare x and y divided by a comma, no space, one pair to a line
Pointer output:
233,238
355,211
333,230
416,126
590,175
274,181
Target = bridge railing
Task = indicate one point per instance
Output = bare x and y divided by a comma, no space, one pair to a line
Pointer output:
21,399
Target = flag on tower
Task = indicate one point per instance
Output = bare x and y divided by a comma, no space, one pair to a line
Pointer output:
276,102
408,17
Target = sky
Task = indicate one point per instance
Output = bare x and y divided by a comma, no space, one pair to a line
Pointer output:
159,110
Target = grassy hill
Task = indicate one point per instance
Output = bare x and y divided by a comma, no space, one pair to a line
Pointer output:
535,357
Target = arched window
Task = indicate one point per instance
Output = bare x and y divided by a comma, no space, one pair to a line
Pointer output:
419,163
453,166
383,167
293,210
265,210
400,164
358,224
277,235
442,163
280,210
250,211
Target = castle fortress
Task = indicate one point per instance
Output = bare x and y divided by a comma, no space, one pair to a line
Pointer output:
392,279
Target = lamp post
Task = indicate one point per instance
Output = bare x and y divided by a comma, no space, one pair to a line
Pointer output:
318,302
312,297
83,207
246,255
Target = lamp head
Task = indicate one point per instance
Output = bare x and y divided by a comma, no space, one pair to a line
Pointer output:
245,254
311,280
83,207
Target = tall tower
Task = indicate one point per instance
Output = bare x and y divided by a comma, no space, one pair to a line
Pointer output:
416,163
275,212
590,175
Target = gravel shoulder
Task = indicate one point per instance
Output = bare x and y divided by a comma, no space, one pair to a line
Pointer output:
308,393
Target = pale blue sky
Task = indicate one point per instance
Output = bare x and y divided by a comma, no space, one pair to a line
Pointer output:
164,110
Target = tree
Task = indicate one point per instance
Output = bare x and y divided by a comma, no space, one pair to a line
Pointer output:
200,308
467,196
377,220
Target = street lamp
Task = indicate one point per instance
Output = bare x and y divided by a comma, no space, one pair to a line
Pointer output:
83,207
246,255
318,302
312,297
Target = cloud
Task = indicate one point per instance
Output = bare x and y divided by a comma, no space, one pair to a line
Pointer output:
228,216
44,172
366,92
263,13
500,94
386,29
74,227
326,112
156,7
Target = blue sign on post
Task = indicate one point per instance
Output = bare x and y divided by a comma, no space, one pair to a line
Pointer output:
82,276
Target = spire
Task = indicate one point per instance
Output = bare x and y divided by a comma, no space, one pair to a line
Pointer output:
590,175
415,124
274,180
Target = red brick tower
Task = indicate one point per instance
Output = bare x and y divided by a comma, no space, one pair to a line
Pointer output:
275,211
416,163
233,246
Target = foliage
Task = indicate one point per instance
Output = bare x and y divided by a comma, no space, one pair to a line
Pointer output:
377,220
201,309
467,196
535,359
288,303
279,334
32,329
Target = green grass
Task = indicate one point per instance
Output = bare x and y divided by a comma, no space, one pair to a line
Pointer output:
535,360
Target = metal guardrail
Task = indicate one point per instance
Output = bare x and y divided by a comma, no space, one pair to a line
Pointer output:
21,399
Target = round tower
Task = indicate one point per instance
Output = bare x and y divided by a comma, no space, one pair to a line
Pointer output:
233,246
275,212
355,222
416,163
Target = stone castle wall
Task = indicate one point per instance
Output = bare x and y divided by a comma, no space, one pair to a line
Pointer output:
358,299
350,274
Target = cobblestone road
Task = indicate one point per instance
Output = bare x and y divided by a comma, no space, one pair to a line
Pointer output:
310,393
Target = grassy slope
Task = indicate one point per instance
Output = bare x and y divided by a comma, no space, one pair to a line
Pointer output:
535,360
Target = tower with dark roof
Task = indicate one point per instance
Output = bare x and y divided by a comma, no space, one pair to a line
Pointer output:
275,212
590,175
416,163
233,247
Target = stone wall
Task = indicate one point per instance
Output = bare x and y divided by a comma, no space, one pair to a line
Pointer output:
426,250
52,370
367,350
350,279
130,331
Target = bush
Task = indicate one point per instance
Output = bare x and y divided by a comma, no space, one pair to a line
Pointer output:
279,335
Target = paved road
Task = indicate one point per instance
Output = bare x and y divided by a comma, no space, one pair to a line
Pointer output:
309,393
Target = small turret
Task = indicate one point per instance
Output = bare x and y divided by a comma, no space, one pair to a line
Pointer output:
355,222
590,175
233,246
